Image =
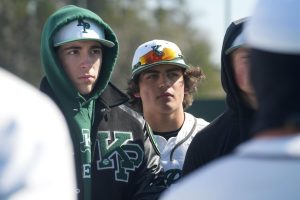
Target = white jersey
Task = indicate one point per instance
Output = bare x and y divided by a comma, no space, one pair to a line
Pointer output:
174,150
36,159
261,169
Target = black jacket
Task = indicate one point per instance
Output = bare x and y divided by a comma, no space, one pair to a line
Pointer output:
229,129
125,160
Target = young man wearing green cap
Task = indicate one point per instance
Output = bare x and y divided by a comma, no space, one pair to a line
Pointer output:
115,158
162,87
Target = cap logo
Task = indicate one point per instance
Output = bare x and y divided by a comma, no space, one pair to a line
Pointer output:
156,51
85,25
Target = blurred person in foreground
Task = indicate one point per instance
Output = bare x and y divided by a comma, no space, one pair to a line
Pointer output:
267,166
115,158
232,127
161,88
36,156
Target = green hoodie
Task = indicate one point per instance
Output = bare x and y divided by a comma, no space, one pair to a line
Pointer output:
78,110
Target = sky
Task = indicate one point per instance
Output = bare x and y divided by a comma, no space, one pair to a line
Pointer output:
214,16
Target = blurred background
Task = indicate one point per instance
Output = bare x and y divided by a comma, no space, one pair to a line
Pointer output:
196,26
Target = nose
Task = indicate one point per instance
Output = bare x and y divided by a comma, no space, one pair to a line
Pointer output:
87,61
164,81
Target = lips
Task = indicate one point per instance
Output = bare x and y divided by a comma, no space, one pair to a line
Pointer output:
87,78
165,94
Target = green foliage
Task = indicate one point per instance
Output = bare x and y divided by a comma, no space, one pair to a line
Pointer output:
134,21
210,87
21,23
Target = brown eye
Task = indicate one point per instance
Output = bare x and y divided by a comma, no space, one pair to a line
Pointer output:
97,51
72,52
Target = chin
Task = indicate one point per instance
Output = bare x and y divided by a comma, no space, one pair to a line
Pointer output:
85,92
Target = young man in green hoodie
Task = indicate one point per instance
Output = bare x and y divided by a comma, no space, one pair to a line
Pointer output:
114,151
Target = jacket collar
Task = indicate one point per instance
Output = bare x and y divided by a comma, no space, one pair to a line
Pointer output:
112,96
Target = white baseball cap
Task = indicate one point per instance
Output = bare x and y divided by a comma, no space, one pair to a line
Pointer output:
276,30
156,52
81,29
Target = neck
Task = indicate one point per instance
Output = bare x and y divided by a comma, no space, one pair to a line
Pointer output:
161,122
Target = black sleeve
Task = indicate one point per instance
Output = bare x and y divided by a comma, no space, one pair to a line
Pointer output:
204,148
193,158
212,142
